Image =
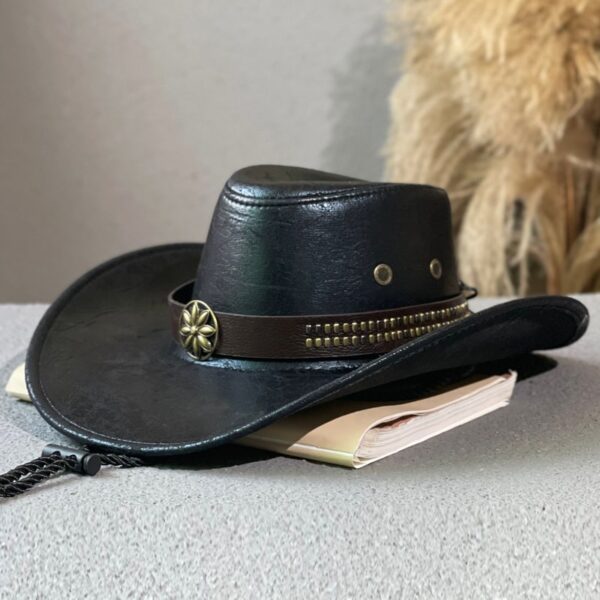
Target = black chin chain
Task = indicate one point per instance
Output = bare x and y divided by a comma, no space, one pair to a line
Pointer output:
56,460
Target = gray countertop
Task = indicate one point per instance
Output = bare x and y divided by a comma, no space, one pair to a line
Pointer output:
507,506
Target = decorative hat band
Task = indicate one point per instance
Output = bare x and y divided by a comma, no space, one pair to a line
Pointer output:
203,332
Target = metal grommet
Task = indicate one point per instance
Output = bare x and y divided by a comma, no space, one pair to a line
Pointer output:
435,268
198,330
383,274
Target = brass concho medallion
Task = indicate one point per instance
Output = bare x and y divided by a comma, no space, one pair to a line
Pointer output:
198,330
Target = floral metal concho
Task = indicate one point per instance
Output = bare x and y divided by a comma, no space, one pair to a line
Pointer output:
198,330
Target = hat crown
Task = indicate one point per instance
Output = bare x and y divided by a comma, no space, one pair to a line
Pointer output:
294,241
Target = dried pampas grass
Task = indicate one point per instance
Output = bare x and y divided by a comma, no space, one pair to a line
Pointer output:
499,103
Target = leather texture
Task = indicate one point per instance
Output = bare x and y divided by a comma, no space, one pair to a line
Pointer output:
320,336
292,241
103,368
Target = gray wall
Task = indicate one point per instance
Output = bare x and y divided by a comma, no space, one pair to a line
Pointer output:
121,120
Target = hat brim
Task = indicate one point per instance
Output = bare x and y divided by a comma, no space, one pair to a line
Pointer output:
103,368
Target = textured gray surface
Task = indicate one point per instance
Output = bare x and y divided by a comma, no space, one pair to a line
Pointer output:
504,507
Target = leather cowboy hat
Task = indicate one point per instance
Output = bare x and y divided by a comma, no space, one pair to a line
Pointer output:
311,286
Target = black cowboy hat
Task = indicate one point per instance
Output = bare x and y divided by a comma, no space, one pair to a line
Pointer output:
310,286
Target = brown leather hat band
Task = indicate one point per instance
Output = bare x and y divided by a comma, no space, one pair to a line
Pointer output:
303,336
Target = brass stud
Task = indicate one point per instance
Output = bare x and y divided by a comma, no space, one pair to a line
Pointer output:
198,330
383,274
376,331
435,268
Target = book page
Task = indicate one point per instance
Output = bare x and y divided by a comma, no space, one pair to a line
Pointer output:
333,432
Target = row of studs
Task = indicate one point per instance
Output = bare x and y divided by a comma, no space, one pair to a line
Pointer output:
377,338
390,324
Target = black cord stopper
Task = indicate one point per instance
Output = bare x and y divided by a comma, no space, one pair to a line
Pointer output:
83,461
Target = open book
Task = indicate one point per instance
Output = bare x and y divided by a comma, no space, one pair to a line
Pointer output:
355,432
